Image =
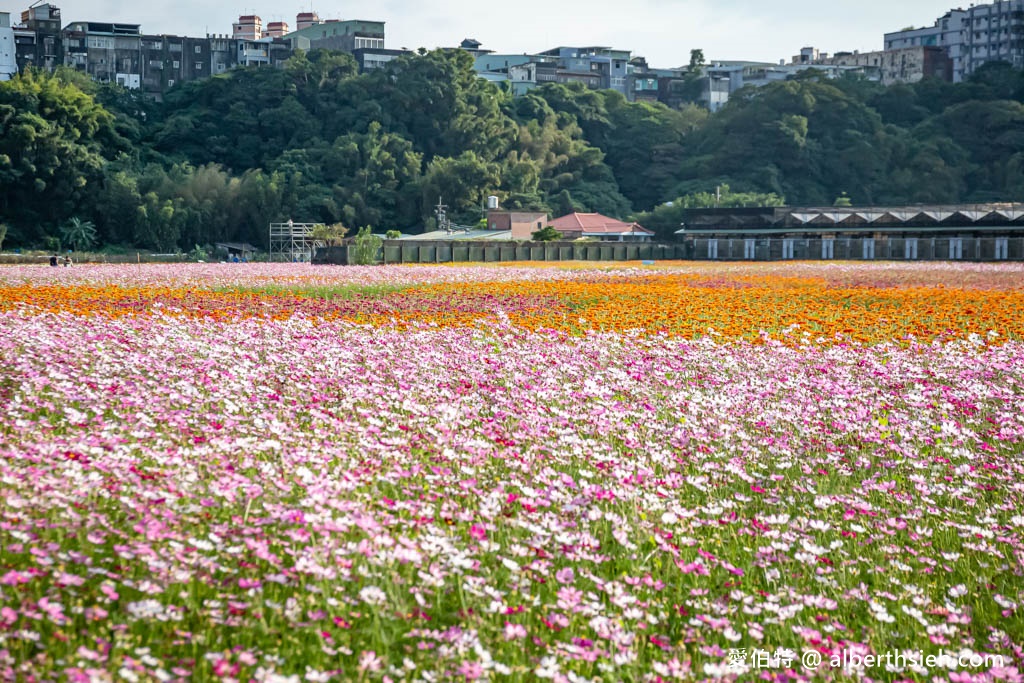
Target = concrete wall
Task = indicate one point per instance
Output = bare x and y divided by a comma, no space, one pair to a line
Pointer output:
767,249
901,65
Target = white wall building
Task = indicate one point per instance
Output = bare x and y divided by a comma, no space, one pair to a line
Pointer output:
8,56
972,37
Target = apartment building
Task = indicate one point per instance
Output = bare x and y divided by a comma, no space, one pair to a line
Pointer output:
121,53
971,37
39,38
8,50
109,53
347,36
170,60
607,66
594,67
900,65
908,64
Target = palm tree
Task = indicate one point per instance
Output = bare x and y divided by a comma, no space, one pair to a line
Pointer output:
78,233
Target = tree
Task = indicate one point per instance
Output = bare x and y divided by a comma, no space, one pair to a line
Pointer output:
666,219
564,203
1001,79
646,149
159,223
117,204
79,234
807,140
462,182
369,174
366,247
53,142
546,234
842,200
437,102
392,234
316,141
696,60
331,235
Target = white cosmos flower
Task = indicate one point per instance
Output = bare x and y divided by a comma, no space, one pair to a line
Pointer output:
372,595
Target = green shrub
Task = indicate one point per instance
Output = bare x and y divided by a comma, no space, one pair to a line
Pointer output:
365,248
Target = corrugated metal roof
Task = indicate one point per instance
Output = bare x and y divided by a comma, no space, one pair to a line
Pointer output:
904,216
503,235
937,215
869,216
840,229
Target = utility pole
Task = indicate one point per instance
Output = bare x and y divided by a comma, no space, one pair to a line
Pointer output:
442,217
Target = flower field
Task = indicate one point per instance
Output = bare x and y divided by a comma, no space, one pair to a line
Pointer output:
289,473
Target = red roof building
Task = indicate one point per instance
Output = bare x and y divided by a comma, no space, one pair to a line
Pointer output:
576,225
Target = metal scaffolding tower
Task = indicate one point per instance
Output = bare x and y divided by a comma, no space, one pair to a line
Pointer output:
293,242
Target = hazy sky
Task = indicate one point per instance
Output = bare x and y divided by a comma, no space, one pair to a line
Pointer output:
664,31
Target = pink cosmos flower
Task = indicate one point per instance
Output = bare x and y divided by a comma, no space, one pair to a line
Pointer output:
369,661
471,670
514,631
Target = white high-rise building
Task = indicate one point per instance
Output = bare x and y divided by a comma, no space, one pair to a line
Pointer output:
972,37
8,52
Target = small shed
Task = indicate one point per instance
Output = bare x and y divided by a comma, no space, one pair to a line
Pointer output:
242,250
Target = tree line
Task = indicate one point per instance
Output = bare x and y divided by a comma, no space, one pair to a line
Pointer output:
316,141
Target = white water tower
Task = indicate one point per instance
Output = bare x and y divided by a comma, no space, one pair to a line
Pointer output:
492,203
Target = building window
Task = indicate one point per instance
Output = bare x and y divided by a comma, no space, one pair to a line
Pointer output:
828,249
868,248
199,66
910,248
176,64
956,248
198,49
712,249
170,82
1002,250
749,249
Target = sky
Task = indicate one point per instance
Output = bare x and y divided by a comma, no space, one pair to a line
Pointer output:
663,31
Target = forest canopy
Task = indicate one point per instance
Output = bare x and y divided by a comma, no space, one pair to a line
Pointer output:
315,141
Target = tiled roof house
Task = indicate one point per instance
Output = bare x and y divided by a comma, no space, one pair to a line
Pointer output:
576,225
